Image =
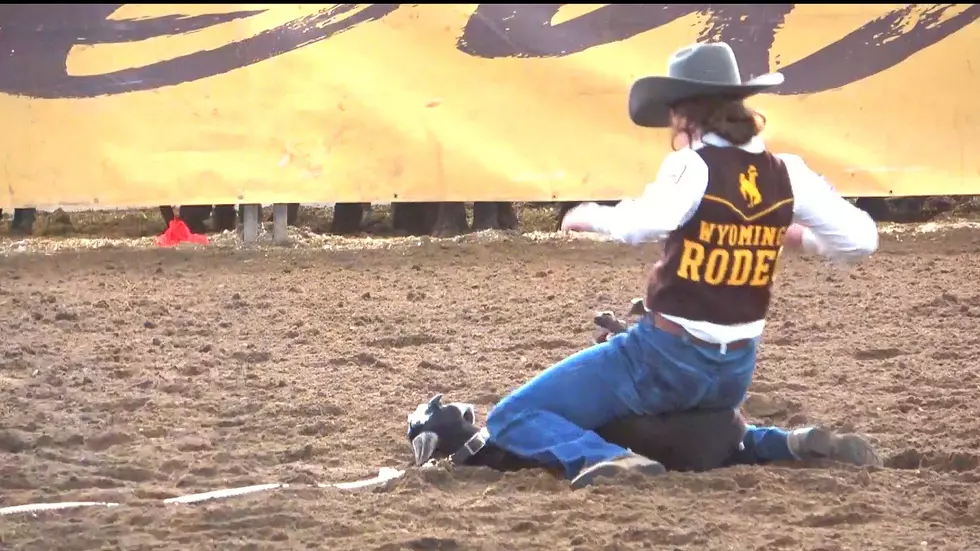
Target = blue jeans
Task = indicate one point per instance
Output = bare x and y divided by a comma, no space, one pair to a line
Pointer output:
644,371
763,445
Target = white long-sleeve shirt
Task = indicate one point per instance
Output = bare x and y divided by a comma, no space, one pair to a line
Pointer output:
835,228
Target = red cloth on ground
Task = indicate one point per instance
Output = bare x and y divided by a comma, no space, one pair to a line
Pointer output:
178,232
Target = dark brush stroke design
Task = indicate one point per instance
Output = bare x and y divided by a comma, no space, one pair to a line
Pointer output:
873,48
87,24
525,30
750,29
39,38
515,30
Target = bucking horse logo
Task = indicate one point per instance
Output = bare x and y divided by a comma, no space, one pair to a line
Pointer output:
748,187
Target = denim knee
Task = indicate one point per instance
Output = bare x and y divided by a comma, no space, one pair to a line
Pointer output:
503,414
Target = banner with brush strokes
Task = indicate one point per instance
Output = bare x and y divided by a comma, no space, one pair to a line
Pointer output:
146,104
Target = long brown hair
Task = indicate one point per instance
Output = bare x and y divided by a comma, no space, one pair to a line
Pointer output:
729,118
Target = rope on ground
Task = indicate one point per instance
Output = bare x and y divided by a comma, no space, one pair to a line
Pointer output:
385,475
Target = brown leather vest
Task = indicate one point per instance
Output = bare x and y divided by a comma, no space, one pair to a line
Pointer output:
718,267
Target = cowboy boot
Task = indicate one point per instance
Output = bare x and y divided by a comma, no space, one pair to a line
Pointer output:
823,443
629,463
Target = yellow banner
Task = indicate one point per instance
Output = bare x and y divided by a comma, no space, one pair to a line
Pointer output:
139,104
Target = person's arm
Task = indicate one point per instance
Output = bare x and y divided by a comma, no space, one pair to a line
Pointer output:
664,206
831,226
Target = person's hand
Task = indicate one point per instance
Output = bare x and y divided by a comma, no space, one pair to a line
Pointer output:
793,240
579,218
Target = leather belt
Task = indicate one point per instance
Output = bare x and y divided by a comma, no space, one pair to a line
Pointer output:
676,329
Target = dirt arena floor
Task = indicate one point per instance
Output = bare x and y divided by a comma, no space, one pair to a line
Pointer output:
131,376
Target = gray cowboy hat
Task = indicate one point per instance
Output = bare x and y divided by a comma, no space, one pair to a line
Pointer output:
695,71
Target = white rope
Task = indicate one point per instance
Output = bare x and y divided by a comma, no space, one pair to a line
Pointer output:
385,475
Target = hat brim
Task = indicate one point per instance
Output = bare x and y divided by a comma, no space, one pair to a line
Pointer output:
651,97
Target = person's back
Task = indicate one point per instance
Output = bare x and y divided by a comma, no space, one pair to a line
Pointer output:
718,265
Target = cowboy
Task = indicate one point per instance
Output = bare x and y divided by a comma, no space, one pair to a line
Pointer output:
724,208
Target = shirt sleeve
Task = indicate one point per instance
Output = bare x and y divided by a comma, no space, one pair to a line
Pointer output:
664,206
835,228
